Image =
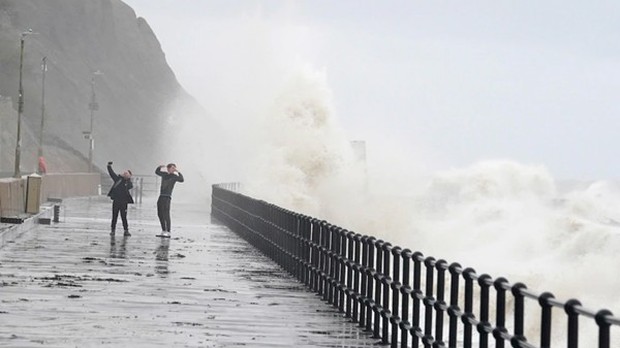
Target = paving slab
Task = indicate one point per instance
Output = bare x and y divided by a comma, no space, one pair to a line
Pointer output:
70,284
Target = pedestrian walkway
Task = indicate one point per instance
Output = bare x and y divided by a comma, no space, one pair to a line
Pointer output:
71,284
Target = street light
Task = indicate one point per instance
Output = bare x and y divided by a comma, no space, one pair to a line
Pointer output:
20,105
43,70
93,105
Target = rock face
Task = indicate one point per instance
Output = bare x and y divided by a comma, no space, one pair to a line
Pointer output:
135,90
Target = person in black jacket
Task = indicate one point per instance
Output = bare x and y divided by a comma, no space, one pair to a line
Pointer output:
120,195
168,178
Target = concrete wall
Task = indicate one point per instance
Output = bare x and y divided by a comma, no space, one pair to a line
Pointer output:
12,197
70,185
13,191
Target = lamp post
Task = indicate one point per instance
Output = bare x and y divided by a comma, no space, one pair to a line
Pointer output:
20,106
93,105
43,70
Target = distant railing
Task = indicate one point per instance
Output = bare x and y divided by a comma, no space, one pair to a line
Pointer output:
142,184
399,295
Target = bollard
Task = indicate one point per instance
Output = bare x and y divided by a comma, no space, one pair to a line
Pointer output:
141,190
56,213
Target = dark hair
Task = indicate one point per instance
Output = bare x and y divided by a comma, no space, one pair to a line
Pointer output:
170,165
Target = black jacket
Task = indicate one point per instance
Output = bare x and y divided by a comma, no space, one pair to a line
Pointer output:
167,181
119,192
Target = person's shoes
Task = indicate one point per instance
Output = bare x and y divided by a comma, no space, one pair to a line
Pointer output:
112,232
126,233
165,234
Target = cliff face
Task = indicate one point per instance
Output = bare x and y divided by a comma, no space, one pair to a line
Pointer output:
134,91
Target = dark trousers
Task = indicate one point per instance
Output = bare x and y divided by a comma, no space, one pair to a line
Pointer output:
163,212
119,207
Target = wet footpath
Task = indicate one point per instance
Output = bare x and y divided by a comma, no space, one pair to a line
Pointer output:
70,284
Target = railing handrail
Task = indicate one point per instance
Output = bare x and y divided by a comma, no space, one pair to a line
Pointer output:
362,276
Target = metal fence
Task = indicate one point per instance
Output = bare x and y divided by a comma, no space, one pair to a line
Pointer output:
404,298
142,184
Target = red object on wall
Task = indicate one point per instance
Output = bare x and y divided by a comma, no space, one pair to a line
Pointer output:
42,165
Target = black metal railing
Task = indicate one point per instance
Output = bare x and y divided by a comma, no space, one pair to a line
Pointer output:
142,184
402,296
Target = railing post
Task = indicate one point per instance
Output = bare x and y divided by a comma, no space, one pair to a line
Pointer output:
469,306
441,266
396,286
378,284
386,314
364,284
339,269
545,319
322,260
297,253
342,242
405,325
56,213
454,309
416,295
330,268
141,189
573,322
314,278
370,286
349,265
306,251
356,277
500,312
484,326
603,328
519,314
429,302
327,262
290,247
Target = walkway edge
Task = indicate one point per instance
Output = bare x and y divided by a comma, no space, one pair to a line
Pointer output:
11,233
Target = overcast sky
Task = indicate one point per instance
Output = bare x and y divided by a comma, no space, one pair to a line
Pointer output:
449,82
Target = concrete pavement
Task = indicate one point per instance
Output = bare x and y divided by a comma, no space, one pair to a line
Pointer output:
72,285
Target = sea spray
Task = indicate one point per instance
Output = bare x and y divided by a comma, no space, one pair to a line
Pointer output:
501,217
198,144
302,153
508,219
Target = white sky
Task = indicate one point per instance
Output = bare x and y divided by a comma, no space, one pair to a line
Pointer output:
450,82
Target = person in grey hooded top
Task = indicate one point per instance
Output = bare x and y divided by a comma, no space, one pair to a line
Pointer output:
168,178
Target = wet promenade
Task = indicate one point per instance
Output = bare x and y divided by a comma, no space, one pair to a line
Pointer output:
72,285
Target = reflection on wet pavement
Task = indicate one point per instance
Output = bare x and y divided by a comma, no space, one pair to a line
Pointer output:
161,257
117,247
73,285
